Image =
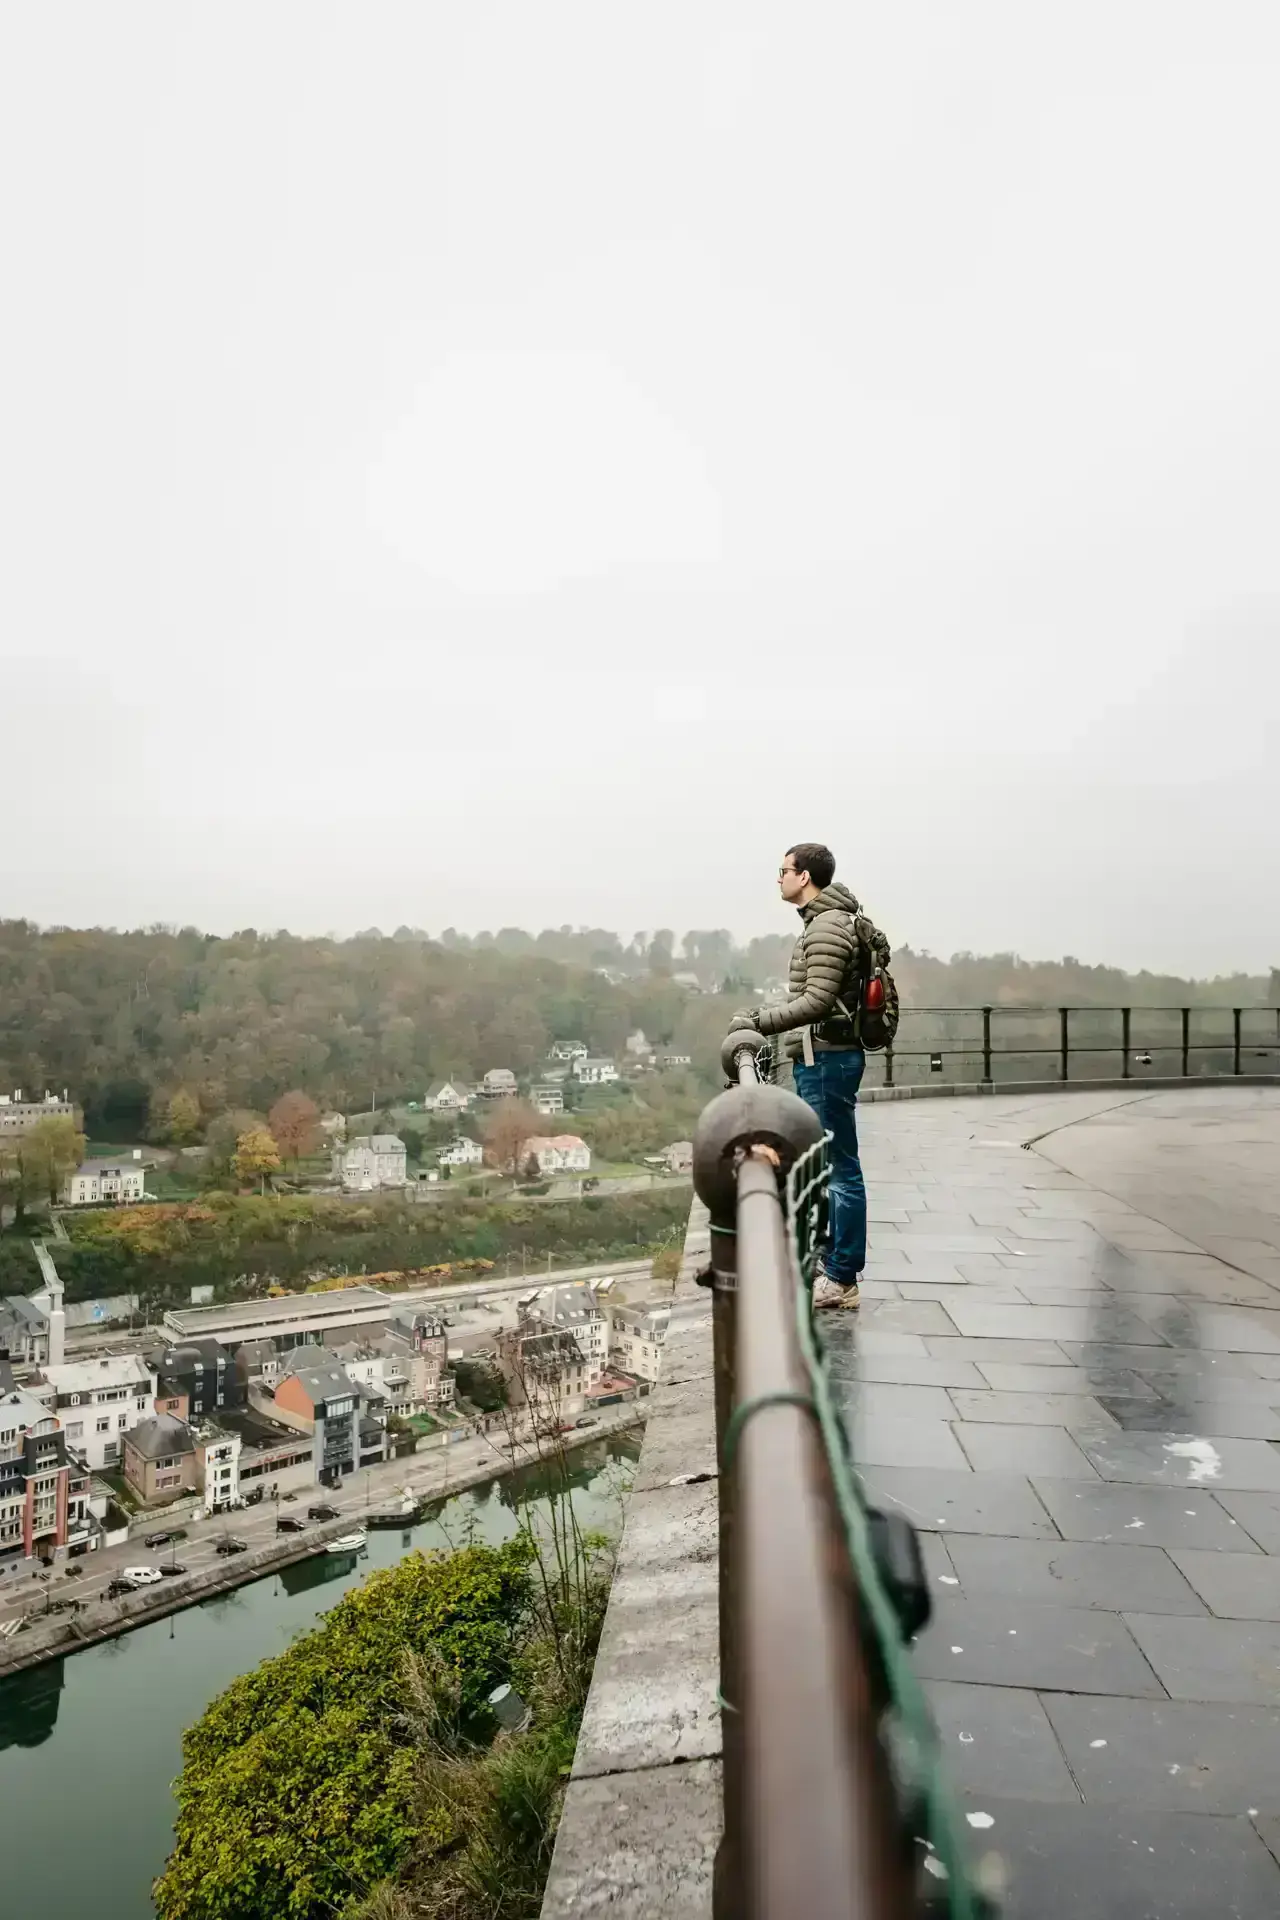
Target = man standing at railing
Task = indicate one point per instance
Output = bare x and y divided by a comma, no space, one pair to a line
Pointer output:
819,1016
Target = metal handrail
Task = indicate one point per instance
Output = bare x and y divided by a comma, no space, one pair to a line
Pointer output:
812,1825
1130,1052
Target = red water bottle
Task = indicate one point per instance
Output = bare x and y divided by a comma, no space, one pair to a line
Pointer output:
874,997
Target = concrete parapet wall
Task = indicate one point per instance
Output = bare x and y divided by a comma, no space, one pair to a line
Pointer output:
642,1816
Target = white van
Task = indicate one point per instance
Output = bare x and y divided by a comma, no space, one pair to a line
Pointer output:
142,1576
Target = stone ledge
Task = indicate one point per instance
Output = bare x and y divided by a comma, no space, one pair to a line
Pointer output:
638,1846
642,1815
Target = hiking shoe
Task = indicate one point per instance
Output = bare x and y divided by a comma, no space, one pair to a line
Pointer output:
829,1293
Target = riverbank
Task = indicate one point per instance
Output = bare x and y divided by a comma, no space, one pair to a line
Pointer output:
99,1732
58,1635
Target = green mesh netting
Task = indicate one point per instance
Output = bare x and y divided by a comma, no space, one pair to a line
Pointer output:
912,1737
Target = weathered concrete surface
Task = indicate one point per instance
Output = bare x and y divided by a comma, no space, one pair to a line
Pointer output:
642,1815
1066,1371
637,1846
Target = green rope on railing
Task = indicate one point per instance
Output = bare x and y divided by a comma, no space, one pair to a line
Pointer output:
916,1748
745,1408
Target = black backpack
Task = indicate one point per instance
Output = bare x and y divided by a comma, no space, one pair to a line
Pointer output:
872,1021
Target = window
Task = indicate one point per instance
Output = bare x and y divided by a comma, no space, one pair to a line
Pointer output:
102,1426
123,1421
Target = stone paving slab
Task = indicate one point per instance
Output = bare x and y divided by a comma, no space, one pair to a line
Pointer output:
639,1846
1007,1643
1003,1503
1184,1756
1258,1514
1083,1573
1211,1659
1154,1516
1000,1740
1100,1862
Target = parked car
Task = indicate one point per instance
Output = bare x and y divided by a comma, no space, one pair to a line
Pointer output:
587,1420
229,1544
162,1538
252,1498
173,1570
142,1576
117,1588
322,1511
290,1523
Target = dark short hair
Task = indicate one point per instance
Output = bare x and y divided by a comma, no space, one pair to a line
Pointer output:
811,857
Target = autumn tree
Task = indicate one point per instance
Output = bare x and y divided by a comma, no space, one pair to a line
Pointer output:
294,1123
505,1130
182,1118
256,1156
221,1137
52,1149
667,1261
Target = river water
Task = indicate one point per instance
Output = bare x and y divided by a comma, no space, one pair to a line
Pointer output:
90,1745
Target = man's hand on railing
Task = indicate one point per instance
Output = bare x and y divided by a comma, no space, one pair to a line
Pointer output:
744,1018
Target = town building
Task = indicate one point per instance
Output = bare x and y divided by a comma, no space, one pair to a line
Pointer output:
18,1116
637,1046
33,1326
425,1339
595,1073
461,1153
218,1455
199,1372
556,1153
98,1183
317,1395
161,1459
447,1096
568,1050
544,1370
385,1375
288,1321
258,1363
678,1157
547,1099
674,1057
371,1161
99,1401
24,1330
44,1488
333,1127
574,1309
498,1084
636,1339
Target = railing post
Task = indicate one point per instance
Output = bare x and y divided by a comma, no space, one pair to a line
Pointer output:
1064,1043
888,1065
1235,1037
1124,1041
1186,1043
986,1046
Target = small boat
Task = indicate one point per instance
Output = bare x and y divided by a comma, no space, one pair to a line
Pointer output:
347,1542
396,1513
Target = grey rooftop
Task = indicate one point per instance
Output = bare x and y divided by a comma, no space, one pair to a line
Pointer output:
1066,1372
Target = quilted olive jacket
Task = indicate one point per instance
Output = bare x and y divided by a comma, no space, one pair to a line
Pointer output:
823,967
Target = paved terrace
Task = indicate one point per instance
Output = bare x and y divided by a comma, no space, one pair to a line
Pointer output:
1067,1373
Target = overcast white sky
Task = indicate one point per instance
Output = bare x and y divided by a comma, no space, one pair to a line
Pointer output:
516,464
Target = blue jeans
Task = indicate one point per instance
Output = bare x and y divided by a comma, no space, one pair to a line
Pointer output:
830,1087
